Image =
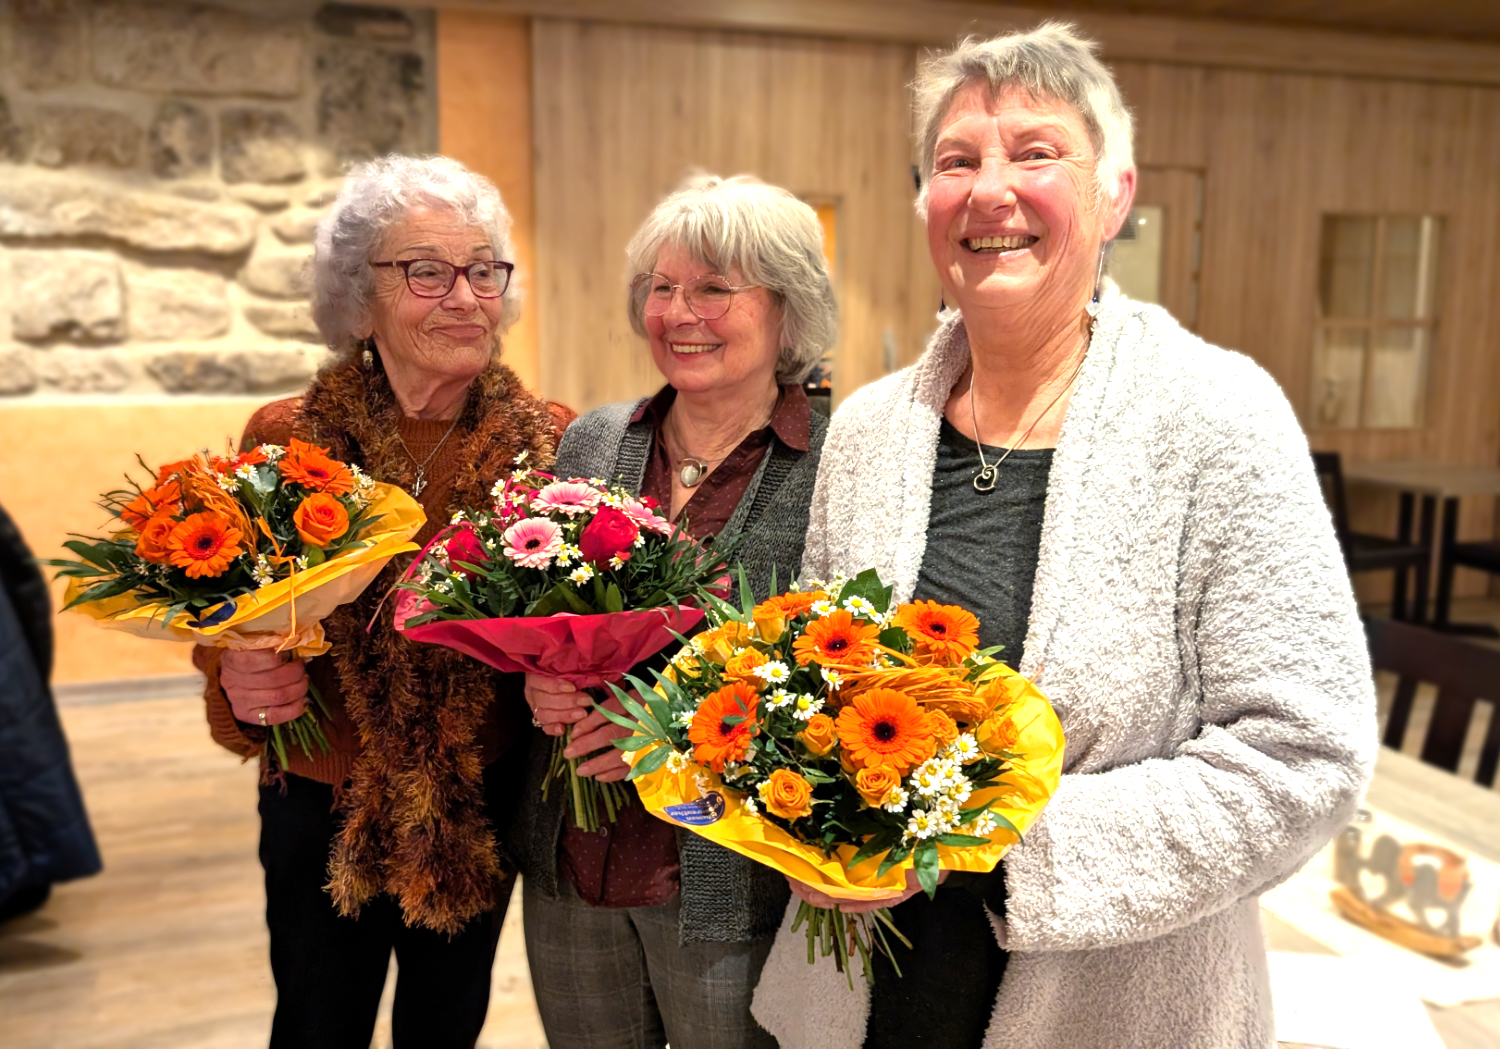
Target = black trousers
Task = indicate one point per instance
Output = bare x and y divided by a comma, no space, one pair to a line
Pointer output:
951,974
330,970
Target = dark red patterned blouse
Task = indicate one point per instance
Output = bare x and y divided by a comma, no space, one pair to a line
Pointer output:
633,862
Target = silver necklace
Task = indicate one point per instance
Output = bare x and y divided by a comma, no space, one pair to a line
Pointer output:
989,473
691,470
421,481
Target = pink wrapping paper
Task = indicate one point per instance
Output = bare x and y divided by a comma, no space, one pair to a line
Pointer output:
585,651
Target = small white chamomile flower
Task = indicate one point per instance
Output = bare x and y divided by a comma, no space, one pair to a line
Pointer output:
617,562
860,607
676,761
896,799
964,749
749,806
983,824
301,563
262,573
958,791
457,518
640,540
773,673
806,706
821,608
923,824
272,452
580,575
832,677
685,717
778,699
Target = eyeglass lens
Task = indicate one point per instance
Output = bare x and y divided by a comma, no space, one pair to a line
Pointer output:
433,278
707,296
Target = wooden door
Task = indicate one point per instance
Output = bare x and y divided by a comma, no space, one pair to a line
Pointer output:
1156,257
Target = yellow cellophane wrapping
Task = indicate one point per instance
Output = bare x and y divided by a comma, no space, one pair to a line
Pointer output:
1024,791
287,615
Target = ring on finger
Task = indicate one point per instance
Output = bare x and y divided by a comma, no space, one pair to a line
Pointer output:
260,715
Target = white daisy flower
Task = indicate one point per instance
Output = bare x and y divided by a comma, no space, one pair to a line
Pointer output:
896,799
444,586
832,677
821,608
640,540
272,452
806,706
749,806
676,761
923,824
457,518
301,563
958,792
617,562
520,459
227,484
580,575
497,490
964,749
773,673
262,573
860,607
685,717
778,699
934,777
983,824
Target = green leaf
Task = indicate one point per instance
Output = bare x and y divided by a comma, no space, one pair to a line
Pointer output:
101,591
632,743
960,839
875,846
867,585
650,763
892,858
614,601
91,553
927,867
747,596
315,556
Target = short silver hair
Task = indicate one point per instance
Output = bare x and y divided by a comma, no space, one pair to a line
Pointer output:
1050,62
375,196
773,238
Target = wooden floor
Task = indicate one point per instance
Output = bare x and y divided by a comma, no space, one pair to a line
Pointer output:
166,948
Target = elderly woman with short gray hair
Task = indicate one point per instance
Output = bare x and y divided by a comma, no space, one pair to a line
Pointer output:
638,936
388,841
1133,515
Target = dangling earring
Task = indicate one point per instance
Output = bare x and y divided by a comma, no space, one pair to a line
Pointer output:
367,356
1093,306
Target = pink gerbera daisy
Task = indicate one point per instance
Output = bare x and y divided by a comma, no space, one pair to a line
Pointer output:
534,542
641,514
566,497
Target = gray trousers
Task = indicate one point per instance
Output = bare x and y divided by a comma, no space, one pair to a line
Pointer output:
617,978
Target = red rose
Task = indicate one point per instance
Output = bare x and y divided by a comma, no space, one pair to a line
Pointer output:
610,534
649,503
464,548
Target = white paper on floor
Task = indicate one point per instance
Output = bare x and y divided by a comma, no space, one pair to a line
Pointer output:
1345,1003
1302,902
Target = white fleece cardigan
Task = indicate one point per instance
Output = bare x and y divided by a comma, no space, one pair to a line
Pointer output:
1193,624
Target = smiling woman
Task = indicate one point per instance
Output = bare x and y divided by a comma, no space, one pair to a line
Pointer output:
389,840
1133,516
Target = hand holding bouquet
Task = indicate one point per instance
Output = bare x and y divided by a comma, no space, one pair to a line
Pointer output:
247,551
845,745
571,579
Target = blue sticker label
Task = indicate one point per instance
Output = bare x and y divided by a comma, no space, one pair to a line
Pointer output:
214,618
707,809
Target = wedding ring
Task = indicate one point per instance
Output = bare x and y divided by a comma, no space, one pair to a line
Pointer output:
260,715
535,723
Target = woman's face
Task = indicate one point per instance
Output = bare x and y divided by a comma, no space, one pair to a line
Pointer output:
736,351
450,337
1011,218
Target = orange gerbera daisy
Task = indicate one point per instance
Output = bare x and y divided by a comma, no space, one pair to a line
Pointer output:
310,466
156,501
837,638
792,604
228,464
948,633
204,544
717,741
886,727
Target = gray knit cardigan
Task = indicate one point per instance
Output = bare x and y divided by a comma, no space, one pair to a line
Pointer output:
1194,627
725,897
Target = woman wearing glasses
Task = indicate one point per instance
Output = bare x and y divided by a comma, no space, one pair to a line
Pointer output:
637,936
388,841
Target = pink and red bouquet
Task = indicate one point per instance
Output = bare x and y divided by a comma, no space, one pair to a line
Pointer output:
574,579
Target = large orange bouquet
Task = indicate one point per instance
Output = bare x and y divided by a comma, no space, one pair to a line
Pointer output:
843,743
242,551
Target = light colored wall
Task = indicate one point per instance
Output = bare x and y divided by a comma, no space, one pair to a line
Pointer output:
55,460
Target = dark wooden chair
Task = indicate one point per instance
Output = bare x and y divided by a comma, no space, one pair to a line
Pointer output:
1465,674
1484,556
1378,553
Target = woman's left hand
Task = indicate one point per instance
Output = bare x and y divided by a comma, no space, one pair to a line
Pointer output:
596,731
810,895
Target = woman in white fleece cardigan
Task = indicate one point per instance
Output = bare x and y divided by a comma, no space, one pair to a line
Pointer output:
1184,605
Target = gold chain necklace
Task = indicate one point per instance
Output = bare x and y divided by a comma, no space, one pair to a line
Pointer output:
989,473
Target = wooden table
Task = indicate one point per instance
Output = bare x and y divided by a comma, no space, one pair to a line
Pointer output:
1449,807
1435,483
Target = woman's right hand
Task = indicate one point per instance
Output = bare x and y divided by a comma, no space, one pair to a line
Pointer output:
555,704
264,687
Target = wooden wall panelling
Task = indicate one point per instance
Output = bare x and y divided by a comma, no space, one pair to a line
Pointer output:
484,121
624,113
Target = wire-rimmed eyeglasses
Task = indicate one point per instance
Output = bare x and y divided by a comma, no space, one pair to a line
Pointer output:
708,296
434,278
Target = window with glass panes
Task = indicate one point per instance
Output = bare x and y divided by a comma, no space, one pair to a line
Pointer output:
1377,318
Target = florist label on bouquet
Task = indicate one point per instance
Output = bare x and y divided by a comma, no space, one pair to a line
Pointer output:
707,809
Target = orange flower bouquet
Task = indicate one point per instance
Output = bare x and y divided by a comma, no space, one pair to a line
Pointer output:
844,743
242,551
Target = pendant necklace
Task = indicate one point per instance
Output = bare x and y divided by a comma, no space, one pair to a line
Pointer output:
989,473
691,470
421,481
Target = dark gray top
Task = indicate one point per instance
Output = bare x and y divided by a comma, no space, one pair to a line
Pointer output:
982,547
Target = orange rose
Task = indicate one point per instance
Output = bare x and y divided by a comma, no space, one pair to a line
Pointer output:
875,783
944,728
787,795
152,543
741,667
723,641
770,621
320,519
997,735
819,736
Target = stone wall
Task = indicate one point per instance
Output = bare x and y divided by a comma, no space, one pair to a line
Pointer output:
162,167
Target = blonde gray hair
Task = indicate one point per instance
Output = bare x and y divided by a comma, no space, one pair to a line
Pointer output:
773,238
1049,62
375,196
